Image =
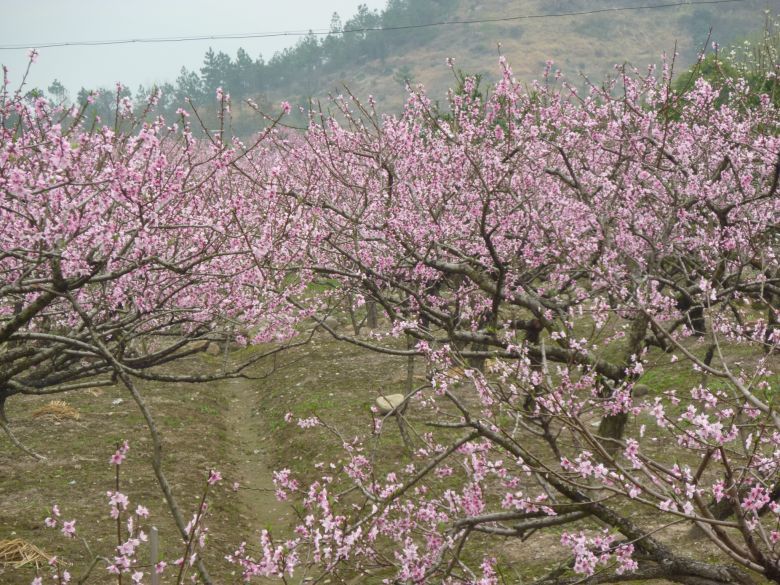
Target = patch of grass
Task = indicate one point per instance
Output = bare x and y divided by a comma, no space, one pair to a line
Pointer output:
336,381
77,474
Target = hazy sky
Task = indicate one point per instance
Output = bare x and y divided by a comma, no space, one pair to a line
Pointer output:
34,22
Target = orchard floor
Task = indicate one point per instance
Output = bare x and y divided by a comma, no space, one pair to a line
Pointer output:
236,426
203,427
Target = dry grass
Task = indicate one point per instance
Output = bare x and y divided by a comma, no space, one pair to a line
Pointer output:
17,553
57,410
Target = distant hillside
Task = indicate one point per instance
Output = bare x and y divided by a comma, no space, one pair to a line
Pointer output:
581,44
378,62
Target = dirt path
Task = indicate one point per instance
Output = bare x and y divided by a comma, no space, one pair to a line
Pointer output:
248,444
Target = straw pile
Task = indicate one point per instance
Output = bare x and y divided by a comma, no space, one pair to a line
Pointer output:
57,410
17,553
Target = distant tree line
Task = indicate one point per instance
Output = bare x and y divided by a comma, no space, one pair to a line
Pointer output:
298,70
305,69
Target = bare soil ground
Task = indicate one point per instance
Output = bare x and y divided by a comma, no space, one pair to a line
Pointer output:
198,424
236,426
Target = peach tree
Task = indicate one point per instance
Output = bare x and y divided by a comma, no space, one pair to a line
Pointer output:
591,277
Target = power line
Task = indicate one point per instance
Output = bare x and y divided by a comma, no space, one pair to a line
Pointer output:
324,32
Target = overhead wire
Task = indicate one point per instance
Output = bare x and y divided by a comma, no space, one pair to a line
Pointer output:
324,32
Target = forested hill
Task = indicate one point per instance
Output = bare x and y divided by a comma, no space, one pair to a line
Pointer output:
379,62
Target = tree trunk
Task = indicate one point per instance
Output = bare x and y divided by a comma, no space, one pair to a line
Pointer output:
372,319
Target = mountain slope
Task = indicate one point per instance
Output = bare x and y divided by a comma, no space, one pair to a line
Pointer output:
578,44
